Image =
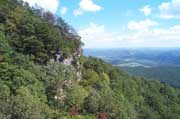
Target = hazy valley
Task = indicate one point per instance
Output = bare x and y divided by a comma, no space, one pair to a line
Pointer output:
153,63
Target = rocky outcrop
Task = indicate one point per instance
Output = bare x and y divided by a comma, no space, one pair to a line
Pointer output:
72,60
61,93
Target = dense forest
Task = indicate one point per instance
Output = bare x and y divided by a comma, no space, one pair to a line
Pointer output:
43,74
166,74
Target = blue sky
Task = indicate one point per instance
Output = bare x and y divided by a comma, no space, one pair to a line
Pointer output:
120,23
112,14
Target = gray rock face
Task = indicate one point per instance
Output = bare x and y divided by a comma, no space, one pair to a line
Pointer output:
68,61
61,93
57,57
72,60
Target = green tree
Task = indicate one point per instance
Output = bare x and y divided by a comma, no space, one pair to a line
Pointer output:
76,95
92,102
26,106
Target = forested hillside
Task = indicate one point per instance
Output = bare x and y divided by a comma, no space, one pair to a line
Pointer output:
168,75
43,75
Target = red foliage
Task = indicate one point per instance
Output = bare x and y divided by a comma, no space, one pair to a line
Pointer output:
74,112
101,115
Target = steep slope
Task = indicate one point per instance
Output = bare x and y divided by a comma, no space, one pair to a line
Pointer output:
44,76
168,75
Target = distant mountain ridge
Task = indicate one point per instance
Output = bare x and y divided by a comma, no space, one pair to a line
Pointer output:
153,63
152,57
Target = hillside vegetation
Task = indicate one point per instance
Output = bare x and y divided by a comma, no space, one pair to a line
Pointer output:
44,76
168,75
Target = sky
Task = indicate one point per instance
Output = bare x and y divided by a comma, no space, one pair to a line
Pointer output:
120,23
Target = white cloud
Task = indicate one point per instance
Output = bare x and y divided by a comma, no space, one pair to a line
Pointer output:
141,25
97,36
170,9
146,10
155,37
86,6
64,10
50,5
